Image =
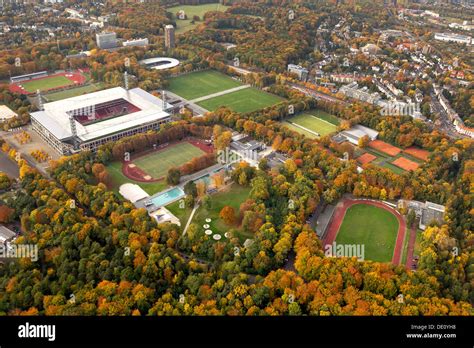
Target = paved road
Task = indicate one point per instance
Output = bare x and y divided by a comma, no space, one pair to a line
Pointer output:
190,219
218,94
8,166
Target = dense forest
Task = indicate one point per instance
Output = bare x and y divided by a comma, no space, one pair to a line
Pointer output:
99,255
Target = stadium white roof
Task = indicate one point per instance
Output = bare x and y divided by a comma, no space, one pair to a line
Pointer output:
172,62
55,115
132,192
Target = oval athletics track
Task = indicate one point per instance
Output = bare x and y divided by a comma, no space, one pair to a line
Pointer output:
340,212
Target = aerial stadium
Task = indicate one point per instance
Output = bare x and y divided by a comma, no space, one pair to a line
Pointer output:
160,63
85,122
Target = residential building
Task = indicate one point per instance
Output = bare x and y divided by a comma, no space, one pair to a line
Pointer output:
106,40
169,37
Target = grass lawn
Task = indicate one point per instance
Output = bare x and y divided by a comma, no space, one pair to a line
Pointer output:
118,179
405,247
181,213
373,227
157,164
417,249
245,100
313,123
323,115
73,92
300,130
232,197
201,83
192,10
46,83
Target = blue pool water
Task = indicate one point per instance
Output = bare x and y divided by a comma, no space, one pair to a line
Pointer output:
168,196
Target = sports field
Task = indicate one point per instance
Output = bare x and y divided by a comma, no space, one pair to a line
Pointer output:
118,179
201,83
418,153
190,11
46,83
311,124
157,164
373,227
245,100
73,92
384,147
366,158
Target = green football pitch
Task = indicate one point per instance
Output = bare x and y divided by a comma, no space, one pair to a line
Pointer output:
46,83
308,124
373,227
157,164
201,83
73,92
245,100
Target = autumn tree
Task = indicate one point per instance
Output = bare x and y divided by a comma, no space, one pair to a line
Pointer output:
228,215
363,141
173,176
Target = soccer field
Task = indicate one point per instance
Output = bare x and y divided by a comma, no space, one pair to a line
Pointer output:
201,83
157,164
73,92
244,100
373,227
309,123
46,83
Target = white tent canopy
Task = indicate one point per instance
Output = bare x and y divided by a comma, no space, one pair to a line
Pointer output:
132,192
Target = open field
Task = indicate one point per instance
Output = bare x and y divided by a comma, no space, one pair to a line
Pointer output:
118,179
46,83
310,123
235,196
201,83
50,82
300,130
373,227
245,100
232,197
192,10
323,115
73,92
156,164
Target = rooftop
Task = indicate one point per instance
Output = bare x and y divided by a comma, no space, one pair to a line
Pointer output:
6,112
55,116
6,234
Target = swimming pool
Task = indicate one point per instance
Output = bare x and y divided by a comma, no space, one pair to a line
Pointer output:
168,197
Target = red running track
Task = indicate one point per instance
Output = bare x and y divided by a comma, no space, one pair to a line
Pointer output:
138,174
77,79
340,212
